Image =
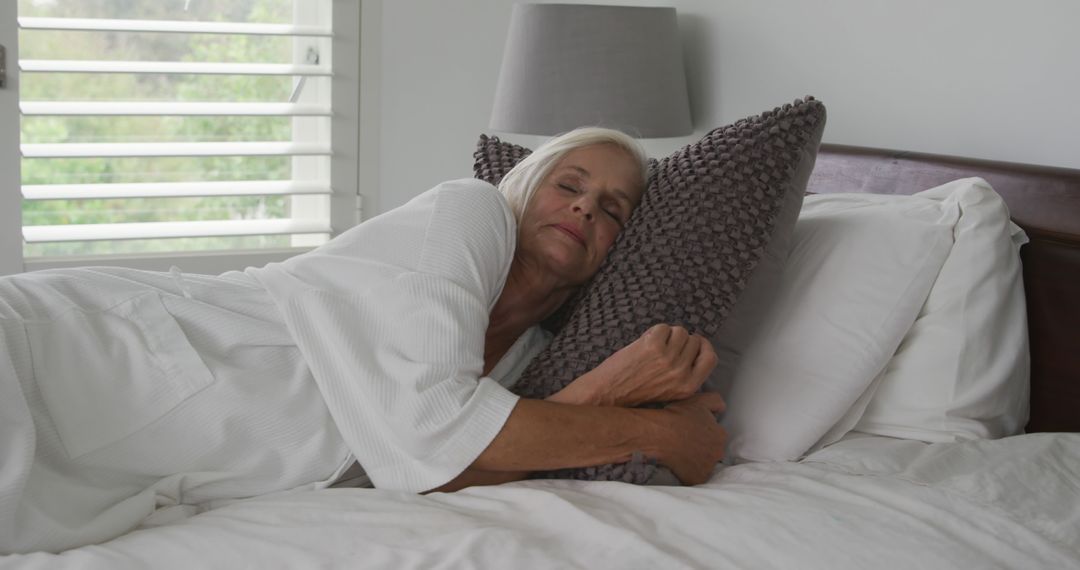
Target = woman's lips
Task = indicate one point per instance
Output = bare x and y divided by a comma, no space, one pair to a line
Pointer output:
572,232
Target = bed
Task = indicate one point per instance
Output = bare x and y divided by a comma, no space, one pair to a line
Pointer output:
861,501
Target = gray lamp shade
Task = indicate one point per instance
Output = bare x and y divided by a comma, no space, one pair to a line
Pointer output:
571,65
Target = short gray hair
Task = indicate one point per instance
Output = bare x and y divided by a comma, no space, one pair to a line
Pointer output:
522,181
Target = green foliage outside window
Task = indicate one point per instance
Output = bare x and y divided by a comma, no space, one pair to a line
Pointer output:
36,44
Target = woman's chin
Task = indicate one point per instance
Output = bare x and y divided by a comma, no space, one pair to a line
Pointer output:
568,266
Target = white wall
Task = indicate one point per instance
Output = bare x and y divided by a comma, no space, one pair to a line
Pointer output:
995,79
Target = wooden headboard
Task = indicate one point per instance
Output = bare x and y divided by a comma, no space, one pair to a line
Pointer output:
1045,202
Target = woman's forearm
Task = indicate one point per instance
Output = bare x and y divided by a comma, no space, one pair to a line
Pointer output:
541,435
474,477
582,391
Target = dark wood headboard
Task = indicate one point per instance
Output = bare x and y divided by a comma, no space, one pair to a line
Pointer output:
1045,202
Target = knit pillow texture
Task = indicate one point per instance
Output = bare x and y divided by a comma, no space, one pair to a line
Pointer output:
705,222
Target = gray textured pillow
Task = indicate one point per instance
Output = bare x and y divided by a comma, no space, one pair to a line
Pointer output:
717,215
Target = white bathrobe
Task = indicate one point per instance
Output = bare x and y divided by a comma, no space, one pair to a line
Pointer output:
125,391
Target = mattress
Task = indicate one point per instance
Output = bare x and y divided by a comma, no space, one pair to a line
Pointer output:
866,501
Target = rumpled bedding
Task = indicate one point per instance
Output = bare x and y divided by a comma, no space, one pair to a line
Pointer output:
865,502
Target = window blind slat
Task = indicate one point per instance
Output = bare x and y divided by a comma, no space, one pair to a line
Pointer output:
93,108
156,230
118,150
176,189
169,67
170,26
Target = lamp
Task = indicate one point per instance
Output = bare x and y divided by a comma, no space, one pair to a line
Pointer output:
570,65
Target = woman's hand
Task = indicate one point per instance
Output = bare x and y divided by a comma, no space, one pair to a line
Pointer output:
663,365
692,442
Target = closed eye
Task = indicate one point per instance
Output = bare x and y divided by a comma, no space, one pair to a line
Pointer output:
568,188
616,217
615,213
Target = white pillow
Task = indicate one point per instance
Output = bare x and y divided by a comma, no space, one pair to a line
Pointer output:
860,267
962,371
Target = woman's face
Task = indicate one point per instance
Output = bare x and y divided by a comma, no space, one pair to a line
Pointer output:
579,209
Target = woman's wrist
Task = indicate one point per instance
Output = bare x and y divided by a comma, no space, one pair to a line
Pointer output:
652,436
583,391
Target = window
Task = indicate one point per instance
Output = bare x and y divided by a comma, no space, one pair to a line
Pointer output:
155,130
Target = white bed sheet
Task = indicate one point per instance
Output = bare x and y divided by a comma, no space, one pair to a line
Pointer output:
866,502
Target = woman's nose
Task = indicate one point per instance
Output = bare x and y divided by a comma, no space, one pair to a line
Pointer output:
584,207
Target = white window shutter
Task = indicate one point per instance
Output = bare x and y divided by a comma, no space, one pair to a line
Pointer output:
11,260
310,190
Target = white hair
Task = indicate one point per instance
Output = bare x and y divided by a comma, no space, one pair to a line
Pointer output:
522,181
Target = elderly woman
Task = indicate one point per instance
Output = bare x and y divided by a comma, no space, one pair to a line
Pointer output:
387,352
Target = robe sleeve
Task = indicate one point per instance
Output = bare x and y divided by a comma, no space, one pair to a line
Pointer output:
395,336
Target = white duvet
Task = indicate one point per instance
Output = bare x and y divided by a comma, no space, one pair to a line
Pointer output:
866,502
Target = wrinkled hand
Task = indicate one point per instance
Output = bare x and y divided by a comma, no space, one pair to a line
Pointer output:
665,364
693,440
